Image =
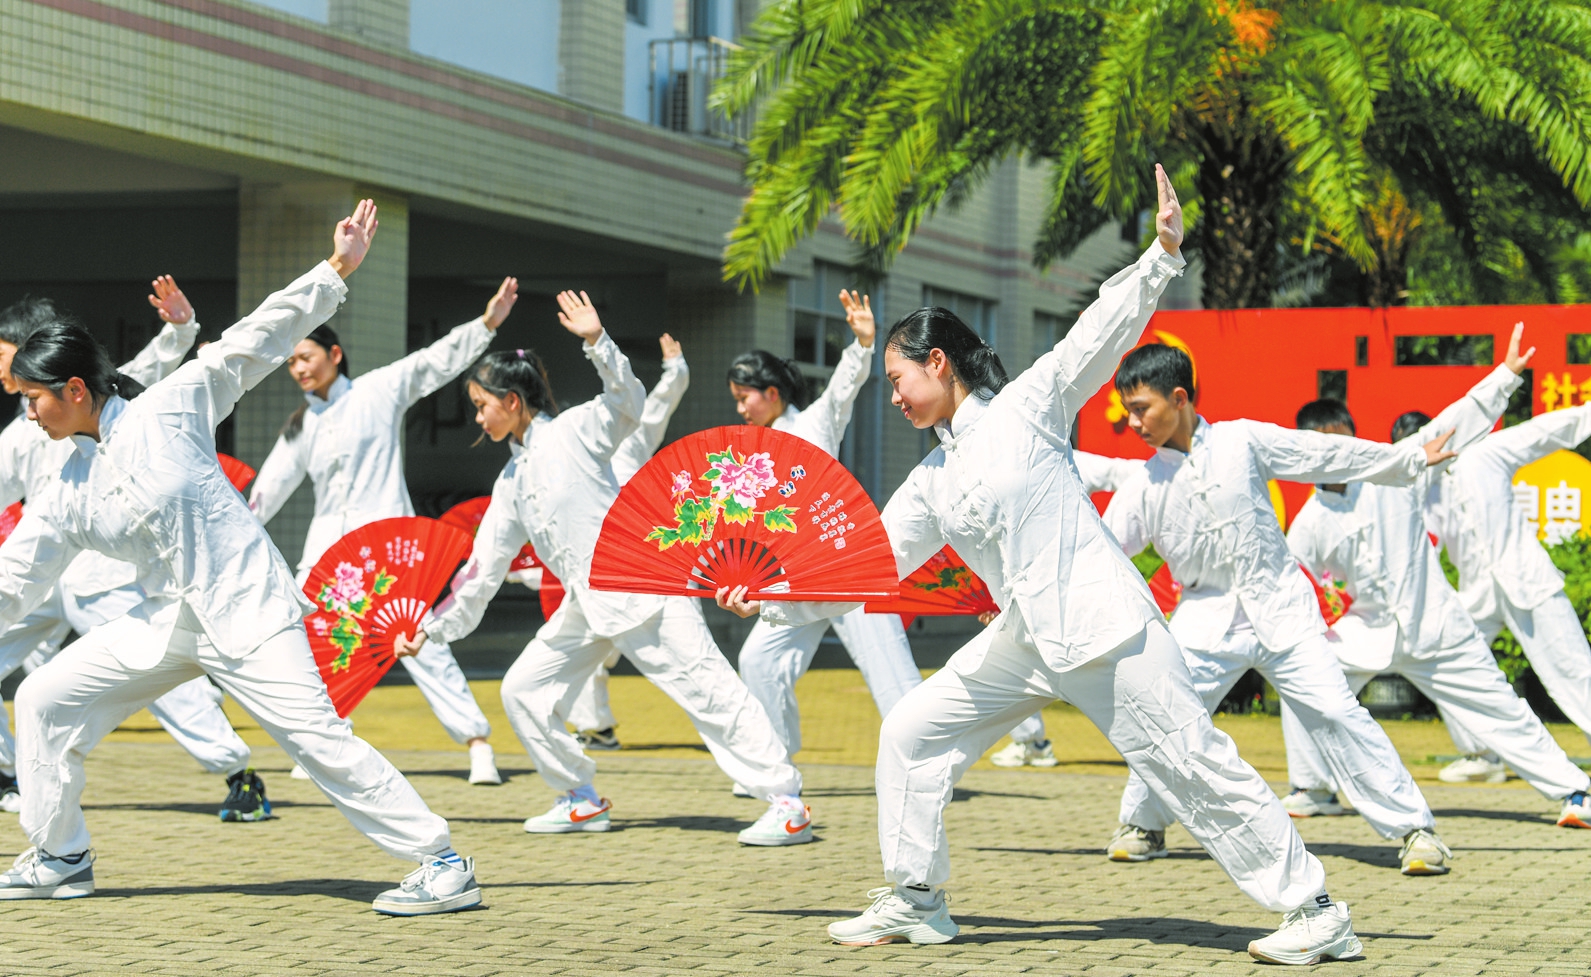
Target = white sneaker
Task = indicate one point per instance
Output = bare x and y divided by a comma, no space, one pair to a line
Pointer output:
739,790
1310,934
894,918
299,773
1576,811
10,799
1303,803
35,875
1131,843
1477,768
435,887
1039,754
786,822
483,765
1424,854
571,814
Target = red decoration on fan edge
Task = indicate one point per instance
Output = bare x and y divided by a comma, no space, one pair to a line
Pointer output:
9,518
745,506
942,585
236,472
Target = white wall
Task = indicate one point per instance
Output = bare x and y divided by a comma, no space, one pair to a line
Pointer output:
516,40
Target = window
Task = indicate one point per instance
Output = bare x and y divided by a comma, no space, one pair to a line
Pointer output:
1442,350
821,332
636,10
975,312
1048,329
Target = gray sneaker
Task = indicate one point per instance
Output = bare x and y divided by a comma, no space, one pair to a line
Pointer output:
435,887
1131,843
36,875
1424,854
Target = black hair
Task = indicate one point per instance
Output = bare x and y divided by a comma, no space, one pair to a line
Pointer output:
325,337
518,371
973,361
1317,415
57,351
19,319
1408,423
1157,366
761,369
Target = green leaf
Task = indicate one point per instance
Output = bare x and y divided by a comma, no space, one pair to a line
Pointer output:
736,513
780,520
360,606
384,581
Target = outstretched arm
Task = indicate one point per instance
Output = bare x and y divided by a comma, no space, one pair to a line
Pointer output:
497,541
1473,415
32,559
612,416
637,449
165,352
428,370
1310,456
278,478
825,419
1513,447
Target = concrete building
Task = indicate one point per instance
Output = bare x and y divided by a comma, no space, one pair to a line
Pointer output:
562,141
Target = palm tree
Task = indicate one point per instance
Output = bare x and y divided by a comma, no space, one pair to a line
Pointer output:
889,109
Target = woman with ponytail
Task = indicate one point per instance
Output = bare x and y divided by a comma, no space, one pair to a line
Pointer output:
143,485
347,439
770,392
1078,622
554,494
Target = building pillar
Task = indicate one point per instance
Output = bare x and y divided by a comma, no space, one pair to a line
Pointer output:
283,230
380,23
591,52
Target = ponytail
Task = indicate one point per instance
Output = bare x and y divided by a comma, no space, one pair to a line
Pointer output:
761,369
519,372
973,361
325,337
56,351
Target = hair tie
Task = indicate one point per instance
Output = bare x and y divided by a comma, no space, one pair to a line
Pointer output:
519,353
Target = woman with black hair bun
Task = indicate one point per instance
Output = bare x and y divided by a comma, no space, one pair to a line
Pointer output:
771,392
347,439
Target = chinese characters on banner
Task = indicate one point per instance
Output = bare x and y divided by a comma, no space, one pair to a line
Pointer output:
1548,494
1561,391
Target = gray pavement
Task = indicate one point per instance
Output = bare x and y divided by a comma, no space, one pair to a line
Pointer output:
670,892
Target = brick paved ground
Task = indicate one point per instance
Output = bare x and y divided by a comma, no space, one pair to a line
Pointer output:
670,892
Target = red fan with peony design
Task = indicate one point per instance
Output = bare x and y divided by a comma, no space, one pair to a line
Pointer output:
238,473
9,519
943,585
745,506
371,586
467,516
1332,595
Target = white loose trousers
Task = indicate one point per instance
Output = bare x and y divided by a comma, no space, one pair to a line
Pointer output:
1467,683
774,658
591,709
1354,747
70,704
676,652
1141,697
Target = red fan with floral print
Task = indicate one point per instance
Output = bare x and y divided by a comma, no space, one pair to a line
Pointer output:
9,519
467,515
1332,594
943,585
745,506
238,473
371,586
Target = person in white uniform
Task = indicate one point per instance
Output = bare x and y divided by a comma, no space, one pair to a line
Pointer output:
94,590
144,486
1406,618
554,493
770,392
592,715
1505,577
1203,501
1077,622
1030,743
347,438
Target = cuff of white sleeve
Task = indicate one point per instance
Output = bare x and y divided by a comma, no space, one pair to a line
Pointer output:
1157,258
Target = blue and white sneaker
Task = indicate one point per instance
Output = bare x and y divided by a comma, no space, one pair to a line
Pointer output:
437,886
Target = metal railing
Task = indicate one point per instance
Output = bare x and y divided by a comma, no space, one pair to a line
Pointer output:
683,73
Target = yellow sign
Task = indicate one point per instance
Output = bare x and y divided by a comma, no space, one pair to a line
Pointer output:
1548,494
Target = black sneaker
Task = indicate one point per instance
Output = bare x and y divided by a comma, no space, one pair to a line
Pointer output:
10,800
598,739
245,799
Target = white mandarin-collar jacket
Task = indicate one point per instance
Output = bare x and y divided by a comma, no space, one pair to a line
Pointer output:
1372,539
554,493
1471,511
351,445
151,493
1209,515
1101,473
637,449
1003,489
823,422
30,462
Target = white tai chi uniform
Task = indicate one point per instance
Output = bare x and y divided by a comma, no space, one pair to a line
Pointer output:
1406,618
222,601
1505,577
1078,623
773,658
94,590
1246,604
351,448
591,710
1099,474
554,493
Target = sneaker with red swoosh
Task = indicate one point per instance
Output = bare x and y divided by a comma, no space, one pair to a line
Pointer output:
571,814
786,822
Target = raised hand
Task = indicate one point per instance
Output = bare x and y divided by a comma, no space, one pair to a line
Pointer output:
579,316
1514,361
501,304
351,240
735,602
404,646
1435,450
671,348
169,301
859,316
1168,218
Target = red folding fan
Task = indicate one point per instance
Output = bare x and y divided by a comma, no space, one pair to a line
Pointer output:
371,586
1332,595
943,585
1167,592
238,473
745,506
467,515
9,519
